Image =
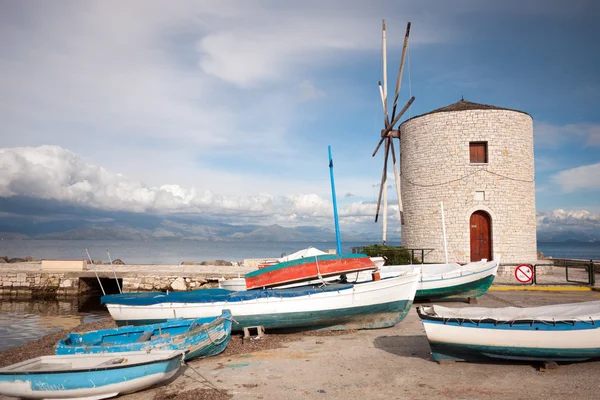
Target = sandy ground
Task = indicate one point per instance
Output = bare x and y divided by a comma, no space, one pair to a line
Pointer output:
393,363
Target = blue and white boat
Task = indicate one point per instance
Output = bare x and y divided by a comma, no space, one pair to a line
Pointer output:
367,305
442,281
564,332
200,337
88,376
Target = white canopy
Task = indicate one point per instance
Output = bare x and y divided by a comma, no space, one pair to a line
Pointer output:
559,312
309,252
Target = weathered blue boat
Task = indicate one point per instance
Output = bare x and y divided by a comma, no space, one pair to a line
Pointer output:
88,376
200,337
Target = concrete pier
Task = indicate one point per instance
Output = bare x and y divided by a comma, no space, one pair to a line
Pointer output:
30,280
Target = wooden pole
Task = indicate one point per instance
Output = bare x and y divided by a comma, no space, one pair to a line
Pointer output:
444,232
401,70
385,203
384,50
397,180
383,179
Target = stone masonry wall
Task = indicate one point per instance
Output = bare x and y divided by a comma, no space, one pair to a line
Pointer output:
436,167
15,284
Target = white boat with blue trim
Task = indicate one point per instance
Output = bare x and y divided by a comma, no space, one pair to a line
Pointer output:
375,304
443,281
564,332
88,376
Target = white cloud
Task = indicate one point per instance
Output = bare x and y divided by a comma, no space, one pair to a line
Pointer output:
553,136
586,177
54,173
308,91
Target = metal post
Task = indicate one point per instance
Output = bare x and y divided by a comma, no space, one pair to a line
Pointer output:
114,272
592,274
94,267
422,256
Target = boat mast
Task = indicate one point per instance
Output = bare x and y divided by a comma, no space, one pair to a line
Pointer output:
335,213
444,232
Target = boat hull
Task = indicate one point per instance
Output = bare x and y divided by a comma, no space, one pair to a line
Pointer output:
445,281
454,339
91,383
368,305
202,337
306,269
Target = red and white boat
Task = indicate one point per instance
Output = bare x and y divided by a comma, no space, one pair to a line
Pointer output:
308,268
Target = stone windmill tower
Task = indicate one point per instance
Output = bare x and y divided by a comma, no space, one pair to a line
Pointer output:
478,160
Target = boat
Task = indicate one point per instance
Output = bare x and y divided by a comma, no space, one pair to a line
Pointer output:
88,376
563,332
307,268
444,281
201,337
335,306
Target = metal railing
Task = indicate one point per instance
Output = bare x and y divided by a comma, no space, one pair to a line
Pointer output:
424,252
589,265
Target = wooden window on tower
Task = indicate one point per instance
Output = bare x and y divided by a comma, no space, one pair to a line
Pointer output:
478,152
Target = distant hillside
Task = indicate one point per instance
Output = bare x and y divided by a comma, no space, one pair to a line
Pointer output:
13,236
567,236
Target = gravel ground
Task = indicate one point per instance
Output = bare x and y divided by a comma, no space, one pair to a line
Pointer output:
236,346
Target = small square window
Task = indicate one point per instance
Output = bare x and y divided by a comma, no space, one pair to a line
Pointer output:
478,152
480,195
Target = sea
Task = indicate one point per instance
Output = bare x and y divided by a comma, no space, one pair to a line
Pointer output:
174,252
23,320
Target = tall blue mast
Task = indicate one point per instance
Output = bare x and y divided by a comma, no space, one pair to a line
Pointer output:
335,213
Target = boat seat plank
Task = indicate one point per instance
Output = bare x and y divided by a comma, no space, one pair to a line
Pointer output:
145,336
112,361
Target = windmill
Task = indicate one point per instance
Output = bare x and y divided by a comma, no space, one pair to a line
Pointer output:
388,133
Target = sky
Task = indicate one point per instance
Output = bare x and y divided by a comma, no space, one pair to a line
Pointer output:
226,109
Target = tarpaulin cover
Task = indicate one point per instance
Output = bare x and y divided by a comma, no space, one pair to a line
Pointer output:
215,295
287,264
559,312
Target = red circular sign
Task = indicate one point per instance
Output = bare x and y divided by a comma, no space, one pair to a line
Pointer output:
524,273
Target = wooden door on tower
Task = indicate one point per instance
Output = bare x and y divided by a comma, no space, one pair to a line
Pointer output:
481,236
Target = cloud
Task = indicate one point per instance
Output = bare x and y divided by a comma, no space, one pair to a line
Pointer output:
581,178
561,215
308,91
56,174
553,136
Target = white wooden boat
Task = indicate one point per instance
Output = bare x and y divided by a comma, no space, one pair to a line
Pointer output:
440,281
88,376
365,305
563,332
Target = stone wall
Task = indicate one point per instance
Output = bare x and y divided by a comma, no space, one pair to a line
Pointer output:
162,283
435,167
42,284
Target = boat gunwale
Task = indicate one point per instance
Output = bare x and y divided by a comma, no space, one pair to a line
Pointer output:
519,321
170,357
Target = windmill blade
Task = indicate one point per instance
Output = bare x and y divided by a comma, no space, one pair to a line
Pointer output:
397,180
379,145
400,70
383,176
391,126
386,121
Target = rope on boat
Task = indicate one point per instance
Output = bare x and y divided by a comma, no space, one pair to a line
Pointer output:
323,283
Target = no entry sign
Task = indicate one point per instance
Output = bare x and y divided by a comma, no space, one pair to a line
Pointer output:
524,273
